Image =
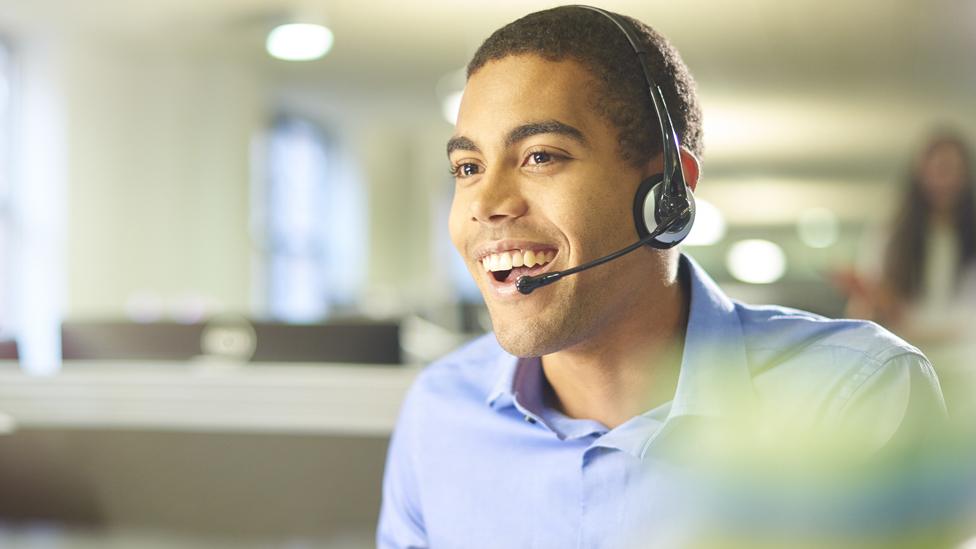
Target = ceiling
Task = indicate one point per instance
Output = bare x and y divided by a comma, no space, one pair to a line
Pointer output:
848,77
895,40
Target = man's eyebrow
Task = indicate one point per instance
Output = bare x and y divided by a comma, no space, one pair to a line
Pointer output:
461,143
546,126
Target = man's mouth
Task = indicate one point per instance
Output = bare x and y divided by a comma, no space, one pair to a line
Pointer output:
508,266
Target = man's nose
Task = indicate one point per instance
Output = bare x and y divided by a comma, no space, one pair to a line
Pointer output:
499,199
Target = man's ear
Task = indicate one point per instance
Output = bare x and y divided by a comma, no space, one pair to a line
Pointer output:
691,167
689,164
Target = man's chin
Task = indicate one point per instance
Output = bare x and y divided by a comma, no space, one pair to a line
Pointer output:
528,338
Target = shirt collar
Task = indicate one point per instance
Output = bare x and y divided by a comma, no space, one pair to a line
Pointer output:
714,380
503,393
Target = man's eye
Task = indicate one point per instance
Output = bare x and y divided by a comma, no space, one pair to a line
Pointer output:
539,157
466,169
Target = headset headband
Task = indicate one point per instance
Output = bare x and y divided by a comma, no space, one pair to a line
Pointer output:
670,146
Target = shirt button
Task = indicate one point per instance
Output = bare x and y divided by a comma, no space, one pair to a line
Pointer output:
529,419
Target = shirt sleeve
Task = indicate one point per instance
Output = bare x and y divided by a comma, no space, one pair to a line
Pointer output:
401,524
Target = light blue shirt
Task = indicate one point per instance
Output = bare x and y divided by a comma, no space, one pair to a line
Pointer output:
478,460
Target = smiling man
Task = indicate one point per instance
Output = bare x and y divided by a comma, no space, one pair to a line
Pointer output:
553,431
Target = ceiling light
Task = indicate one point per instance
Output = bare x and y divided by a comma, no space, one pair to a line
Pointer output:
818,227
450,106
709,227
756,261
299,41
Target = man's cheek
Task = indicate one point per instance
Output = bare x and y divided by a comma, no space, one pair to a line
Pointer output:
455,232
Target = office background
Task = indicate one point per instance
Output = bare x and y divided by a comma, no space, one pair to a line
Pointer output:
159,169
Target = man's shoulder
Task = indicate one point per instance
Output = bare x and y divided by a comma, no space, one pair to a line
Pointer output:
808,363
774,335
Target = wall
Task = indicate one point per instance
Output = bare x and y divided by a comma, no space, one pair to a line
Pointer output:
158,146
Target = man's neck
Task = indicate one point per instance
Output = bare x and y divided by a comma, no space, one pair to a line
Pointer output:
628,368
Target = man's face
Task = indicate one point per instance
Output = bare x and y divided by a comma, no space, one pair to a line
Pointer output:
539,171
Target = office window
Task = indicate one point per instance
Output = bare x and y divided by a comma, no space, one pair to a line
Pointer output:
309,222
6,206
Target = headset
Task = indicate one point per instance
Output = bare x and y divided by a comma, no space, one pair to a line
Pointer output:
664,206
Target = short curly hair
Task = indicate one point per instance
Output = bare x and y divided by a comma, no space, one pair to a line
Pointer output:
621,95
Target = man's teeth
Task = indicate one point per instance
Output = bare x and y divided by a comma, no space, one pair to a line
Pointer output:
517,258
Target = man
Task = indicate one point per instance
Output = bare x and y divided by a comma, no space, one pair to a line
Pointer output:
552,431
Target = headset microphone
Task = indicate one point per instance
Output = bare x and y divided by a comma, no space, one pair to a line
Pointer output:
528,284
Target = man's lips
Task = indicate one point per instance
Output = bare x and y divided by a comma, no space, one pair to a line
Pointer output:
504,261
510,245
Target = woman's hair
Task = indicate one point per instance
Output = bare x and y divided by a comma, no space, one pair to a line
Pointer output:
905,255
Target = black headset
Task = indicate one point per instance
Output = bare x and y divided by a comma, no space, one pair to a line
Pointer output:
664,206
662,196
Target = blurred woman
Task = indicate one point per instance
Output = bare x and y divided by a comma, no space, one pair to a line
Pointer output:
926,288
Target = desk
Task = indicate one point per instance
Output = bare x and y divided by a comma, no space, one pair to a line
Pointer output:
255,451
343,399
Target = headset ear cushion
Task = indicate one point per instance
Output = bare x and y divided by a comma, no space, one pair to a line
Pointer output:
646,214
645,205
